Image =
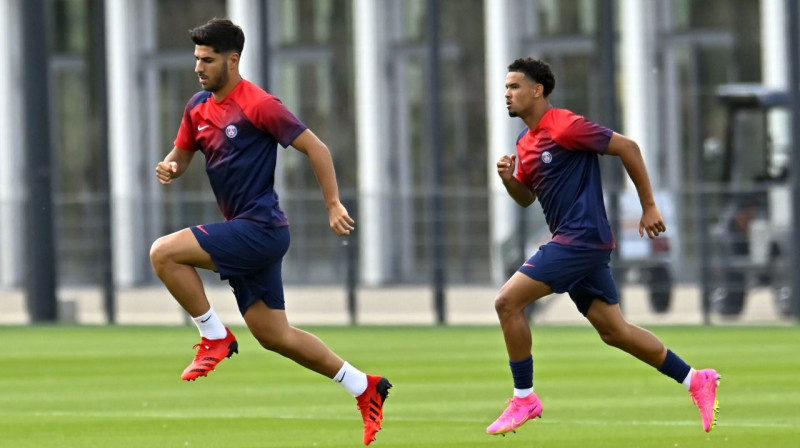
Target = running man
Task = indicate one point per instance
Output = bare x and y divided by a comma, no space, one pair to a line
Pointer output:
557,163
237,126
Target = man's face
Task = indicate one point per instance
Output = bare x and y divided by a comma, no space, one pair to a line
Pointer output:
520,94
211,68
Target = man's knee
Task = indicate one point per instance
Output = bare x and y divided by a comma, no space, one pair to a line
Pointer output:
505,305
615,336
159,253
609,337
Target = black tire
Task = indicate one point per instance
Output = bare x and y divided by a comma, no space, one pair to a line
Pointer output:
732,303
660,281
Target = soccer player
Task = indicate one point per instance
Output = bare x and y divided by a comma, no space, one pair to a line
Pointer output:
237,126
557,163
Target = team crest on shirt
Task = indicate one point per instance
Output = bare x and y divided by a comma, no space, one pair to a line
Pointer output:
231,131
547,157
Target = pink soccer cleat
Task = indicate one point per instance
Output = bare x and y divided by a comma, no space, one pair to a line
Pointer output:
519,411
703,388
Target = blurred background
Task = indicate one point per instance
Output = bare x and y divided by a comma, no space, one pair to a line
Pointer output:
408,96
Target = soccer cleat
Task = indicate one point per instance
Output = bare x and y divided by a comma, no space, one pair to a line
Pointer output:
209,353
519,411
370,403
703,388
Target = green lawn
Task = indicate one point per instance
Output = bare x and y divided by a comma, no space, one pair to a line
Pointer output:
120,387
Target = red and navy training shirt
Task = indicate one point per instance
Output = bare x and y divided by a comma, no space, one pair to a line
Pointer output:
239,137
558,161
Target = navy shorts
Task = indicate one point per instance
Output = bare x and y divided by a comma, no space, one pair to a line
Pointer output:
249,255
583,273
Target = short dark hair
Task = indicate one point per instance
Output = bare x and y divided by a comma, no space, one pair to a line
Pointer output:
537,71
220,34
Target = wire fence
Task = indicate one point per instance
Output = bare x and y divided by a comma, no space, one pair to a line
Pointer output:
726,242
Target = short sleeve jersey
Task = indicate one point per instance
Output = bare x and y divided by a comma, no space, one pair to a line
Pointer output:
558,160
239,137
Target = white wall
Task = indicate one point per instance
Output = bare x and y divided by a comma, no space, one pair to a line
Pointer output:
501,127
125,138
12,162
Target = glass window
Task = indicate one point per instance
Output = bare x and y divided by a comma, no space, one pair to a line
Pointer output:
308,21
68,19
413,20
461,183
557,17
174,20
169,82
740,18
312,73
563,33
175,83
76,178
75,159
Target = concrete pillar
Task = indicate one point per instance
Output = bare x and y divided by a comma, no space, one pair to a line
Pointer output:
502,130
775,73
12,179
774,44
640,81
125,140
371,126
248,14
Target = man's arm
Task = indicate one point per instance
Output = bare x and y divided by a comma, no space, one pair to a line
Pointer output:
628,151
518,191
173,165
322,164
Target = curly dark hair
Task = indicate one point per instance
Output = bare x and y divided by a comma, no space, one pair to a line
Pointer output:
537,71
220,34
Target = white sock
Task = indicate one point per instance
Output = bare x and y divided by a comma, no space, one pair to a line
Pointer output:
522,393
688,380
209,325
352,379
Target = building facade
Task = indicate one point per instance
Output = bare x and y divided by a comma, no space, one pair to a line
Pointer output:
358,73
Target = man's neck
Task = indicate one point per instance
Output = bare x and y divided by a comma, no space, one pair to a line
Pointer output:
220,94
539,109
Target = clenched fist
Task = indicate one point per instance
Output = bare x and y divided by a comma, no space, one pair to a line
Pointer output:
165,170
506,166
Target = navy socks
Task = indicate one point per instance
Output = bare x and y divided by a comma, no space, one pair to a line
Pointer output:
522,371
674,367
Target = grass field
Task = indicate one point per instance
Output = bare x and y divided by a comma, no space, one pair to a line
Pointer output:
119,387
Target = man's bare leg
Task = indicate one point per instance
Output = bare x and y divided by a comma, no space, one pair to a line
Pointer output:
175,259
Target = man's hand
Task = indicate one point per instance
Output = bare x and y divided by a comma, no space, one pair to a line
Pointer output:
164,171
506,166
651,222
341,222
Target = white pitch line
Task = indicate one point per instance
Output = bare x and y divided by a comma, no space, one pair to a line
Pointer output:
237,415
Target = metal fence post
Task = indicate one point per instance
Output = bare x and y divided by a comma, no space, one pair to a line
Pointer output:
351,248
793,12
435,151
99,141
39,238
607,62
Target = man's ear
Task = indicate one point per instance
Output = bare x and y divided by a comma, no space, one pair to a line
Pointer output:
233,59
538,90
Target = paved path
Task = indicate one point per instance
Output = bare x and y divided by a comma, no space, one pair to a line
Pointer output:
378,306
